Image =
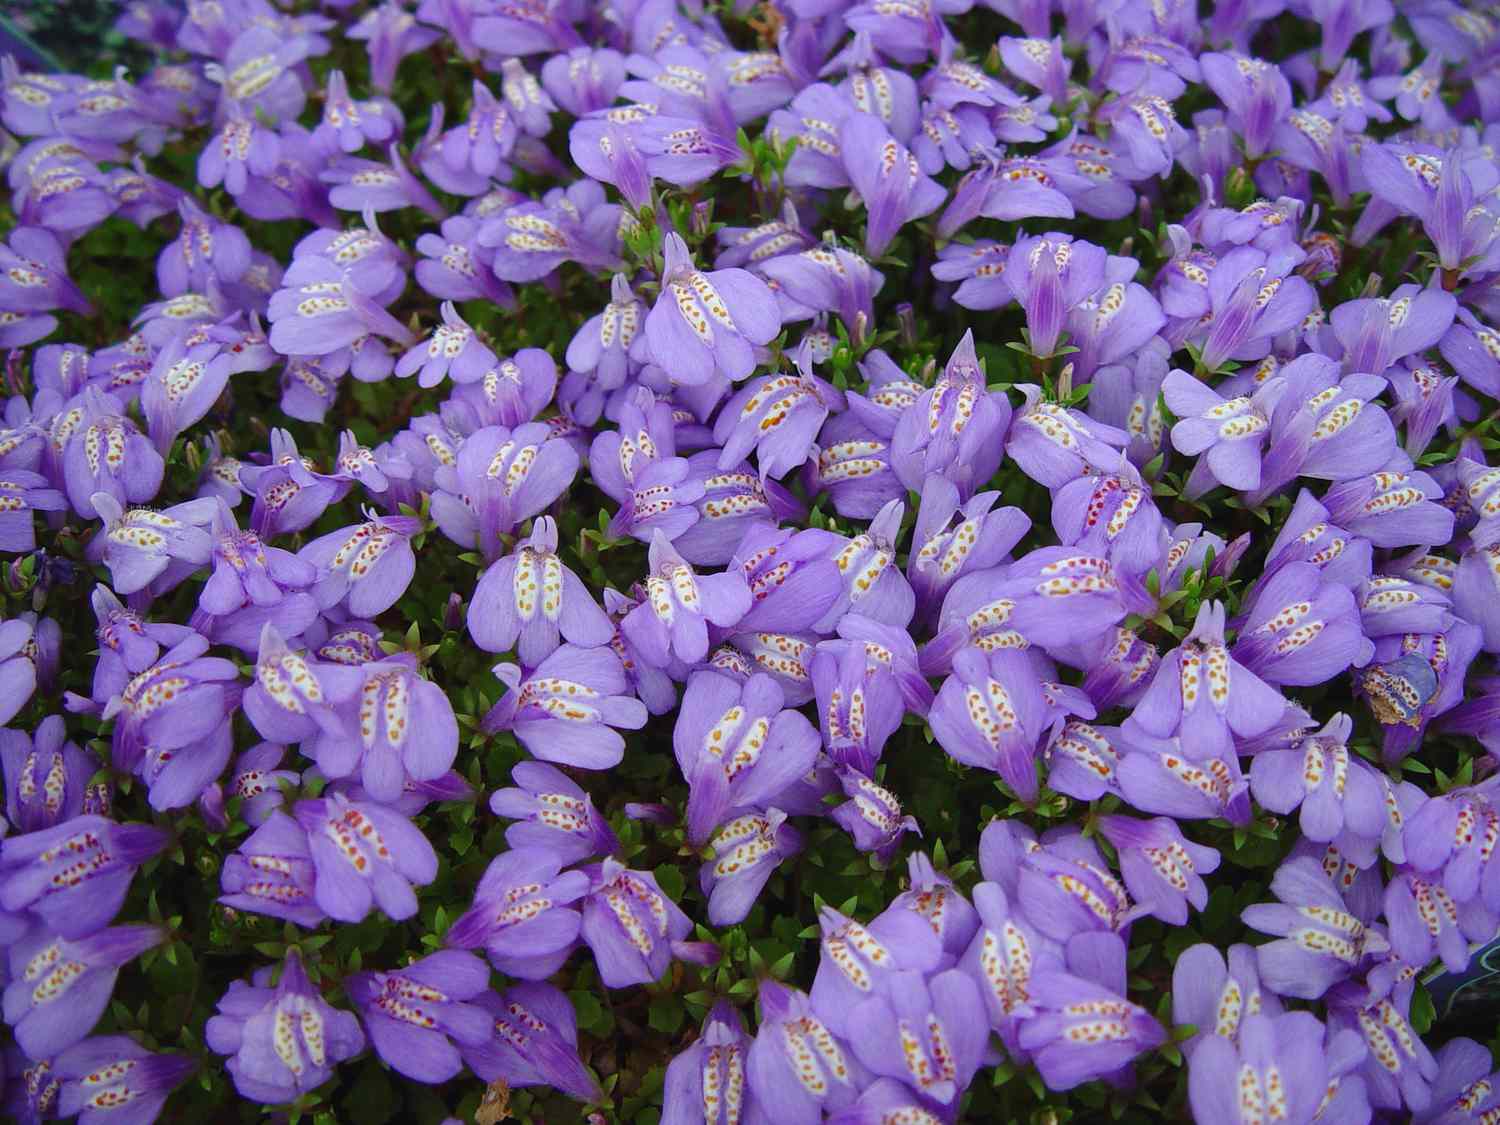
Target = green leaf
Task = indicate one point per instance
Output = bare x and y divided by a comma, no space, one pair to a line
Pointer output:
670,879
666,1014
1423,1013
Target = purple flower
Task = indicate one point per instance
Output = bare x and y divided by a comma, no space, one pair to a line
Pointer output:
365,568
256,780
1201,688
857,961
59,988
347,124
1301,629
1415,677
990,713
523,913
1440,192
630,925
979,269
534,1042
454,350
872,585
23,492
371,186
1254,91
454,267
1378,331
864,684
206,250
567,709
1280,1066
1480,716
1335,790
272,872
778,416
552,812
1146,134
74,875
872,816
252,584
888,179
1049,594
791,575
1063,885
29,656
33,1090
179,708
282,1042
1217,996
1425,923
1002,958
1050,275
732,503
406,727
529,240
737,747
375,265
1084,1028
823,278
1318,942
44,776
500,477
798,1068
1464,1089
1391,509
604,352
1474,588
1112,514
107,453
1308,535
583,79
258,73
672,622
1228,433
35,280
1251,300
1163,870
707,322
151,549
1398,1069
954,429
678,149
745,851
1053,444
323,310
182,386
927,1032
531,597
1112,325
420,1016
706,1082
1082,761
392,33
1470,348
293,697
1039,62
365,855
64,193
1448,837
103,1074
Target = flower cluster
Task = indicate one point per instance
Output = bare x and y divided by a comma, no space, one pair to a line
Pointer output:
1018,471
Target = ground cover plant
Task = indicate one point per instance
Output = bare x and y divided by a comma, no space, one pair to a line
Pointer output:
882,562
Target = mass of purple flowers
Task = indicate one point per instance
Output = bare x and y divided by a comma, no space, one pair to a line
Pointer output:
881,562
